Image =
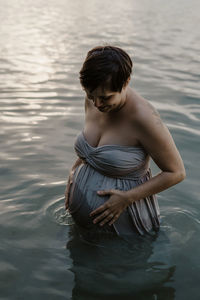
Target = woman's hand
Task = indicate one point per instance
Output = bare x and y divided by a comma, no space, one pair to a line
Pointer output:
69,182
77,163
111,210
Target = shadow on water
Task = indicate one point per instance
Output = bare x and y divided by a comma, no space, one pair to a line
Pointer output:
112,267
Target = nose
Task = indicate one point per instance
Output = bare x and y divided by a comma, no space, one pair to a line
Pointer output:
97,102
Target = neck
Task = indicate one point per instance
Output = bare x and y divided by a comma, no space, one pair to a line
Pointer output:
123,102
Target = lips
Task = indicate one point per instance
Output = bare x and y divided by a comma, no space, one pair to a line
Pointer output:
102,108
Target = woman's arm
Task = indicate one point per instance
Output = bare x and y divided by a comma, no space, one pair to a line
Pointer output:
156,184
76,164
158,142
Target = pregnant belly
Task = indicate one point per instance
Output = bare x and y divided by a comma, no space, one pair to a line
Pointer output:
140,217
83,193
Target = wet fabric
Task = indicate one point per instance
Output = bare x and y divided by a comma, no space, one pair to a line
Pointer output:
112,167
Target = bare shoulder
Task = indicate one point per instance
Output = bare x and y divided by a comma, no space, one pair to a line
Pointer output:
147,121
154,135
143,112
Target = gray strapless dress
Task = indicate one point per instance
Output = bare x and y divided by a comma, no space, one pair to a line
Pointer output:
112,167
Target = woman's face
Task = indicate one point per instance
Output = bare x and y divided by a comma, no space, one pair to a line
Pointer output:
106,100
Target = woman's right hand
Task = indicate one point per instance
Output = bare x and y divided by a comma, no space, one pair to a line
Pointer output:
69,182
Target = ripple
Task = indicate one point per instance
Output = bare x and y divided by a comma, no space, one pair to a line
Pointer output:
188,111
63,217
56,212
184,128
41,111
9,273
180,225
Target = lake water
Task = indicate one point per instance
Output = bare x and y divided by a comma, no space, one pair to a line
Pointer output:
42,47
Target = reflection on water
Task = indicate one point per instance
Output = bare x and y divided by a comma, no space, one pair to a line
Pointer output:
110,267
42,48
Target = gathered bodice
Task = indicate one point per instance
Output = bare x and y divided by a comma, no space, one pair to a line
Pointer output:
130,162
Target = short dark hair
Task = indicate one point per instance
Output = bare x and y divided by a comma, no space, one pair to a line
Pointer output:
106,65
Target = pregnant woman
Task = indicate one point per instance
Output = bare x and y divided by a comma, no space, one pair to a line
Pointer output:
110,187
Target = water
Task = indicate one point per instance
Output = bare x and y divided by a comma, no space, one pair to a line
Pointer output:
41,111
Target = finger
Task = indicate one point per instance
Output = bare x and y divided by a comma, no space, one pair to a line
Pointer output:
102,216
114,219
70,181
98,210
66,203
66,197
109,217
67,188
106,192
66,194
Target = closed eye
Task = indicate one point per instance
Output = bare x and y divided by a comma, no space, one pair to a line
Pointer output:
102,98
105,98
90,97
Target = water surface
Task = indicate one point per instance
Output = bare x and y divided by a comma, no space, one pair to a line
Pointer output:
41,111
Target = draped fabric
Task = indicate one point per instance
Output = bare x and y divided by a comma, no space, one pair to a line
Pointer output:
112,167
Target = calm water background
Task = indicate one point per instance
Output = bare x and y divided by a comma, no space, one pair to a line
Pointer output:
42,47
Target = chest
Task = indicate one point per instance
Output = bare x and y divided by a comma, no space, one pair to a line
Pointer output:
110,130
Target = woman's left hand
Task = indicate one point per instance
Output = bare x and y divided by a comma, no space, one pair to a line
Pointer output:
111,209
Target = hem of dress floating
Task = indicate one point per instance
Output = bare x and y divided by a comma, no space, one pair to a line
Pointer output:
139,227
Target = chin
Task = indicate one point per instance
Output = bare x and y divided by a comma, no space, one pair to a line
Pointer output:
104,109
